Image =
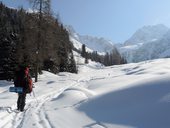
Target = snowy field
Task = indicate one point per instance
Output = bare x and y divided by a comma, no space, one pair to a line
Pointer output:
124,96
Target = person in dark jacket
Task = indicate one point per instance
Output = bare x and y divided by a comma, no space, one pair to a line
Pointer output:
23,79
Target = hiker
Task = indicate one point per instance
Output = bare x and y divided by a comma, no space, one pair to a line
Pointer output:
23,79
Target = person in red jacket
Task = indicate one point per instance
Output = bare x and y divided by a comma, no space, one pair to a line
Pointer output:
23,79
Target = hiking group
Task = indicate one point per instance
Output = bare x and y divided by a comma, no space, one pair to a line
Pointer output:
23,79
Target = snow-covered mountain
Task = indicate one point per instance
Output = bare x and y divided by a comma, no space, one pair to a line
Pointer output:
94,43
147,34
149,42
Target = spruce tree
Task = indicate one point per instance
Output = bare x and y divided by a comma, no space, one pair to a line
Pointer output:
83,52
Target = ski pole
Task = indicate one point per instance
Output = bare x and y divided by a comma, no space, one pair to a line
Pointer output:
34,95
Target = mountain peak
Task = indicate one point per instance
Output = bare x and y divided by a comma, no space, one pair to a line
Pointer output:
148,42
147,34
98,44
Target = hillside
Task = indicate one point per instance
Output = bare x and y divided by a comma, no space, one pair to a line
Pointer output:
135,95
100,45
95,49
24,41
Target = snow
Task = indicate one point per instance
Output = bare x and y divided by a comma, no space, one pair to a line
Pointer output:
130,47
149,42
78,45
135,95
165,53
148,34
101,45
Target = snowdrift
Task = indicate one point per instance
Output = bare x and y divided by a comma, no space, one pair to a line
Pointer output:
135,95
144,105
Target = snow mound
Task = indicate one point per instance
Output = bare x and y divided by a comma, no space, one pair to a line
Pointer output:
148,104
135,95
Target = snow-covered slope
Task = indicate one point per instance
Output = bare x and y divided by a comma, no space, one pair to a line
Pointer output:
97,44
94,43
147,43
135,95
147,34
78,45
153,50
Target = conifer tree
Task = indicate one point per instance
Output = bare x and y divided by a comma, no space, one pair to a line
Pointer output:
83,52
43,7
18,40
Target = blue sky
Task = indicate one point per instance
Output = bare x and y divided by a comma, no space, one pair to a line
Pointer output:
115,20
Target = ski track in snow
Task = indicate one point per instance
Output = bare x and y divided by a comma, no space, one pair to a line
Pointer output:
11,118
18,118
81,88
35,107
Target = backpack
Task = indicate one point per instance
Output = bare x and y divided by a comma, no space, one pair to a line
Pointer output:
29,84
24,81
